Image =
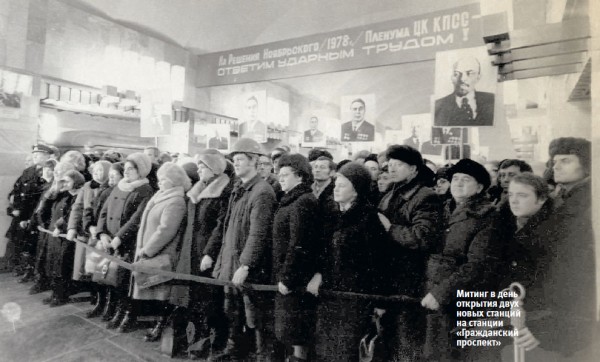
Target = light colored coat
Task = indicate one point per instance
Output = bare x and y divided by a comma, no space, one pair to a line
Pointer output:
161,227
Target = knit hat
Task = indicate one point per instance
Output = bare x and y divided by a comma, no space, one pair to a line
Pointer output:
213,159
117,166
405,154
473,169
443,172
191,169
298,163
579,147
175,174
105,166
77,178
358,176
142,163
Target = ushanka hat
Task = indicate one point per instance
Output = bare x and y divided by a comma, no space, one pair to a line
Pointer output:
473,169
405,154
579,147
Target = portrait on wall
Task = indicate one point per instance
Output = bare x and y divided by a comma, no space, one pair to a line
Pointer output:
465,84
217,136
357,112
278,113
13,87
253,123
314,133
155,115
449,135
415,130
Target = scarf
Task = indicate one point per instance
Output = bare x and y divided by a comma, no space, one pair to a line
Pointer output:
213,189
128,186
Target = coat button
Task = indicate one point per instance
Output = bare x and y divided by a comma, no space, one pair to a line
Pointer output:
110,218
447,230
514,263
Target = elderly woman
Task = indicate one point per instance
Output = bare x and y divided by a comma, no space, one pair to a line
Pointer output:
208,200
118,226
159,237
83,220
60,252
295,230
464,262
350,263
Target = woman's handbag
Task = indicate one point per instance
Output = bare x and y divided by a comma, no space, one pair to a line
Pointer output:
109,273
160,262
91,259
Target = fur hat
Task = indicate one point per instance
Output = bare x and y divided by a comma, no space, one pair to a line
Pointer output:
76,158
405,154
316,153
358,176
175,174
191,169
299,164
473,169
105,166
77,178
579,147
213,159
142,163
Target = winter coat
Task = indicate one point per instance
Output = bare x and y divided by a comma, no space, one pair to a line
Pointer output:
41,217
465,262
574,284
120,216
468,246
81,218
295,225
415,214
206,206
352,264
160,233
60,251
246,231
26,194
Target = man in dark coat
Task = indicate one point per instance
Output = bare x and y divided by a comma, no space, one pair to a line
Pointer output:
25,196
245,253
410,213
465,106
574,281
313,135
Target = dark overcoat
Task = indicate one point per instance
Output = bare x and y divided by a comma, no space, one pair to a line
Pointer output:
60,251
26,194
351,263
295,225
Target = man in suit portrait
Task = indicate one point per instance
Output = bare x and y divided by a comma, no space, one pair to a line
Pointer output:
313,135
465,106
218,142
413,140
358,129
253,127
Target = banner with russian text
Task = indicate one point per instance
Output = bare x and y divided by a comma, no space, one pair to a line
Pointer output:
410,39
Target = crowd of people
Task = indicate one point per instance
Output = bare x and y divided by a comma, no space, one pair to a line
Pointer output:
388,224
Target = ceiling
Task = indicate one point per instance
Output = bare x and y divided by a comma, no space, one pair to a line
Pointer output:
206,26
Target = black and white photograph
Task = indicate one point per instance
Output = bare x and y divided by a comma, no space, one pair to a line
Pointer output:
299,181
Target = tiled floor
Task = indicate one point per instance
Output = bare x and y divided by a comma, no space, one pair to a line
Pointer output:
63,333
